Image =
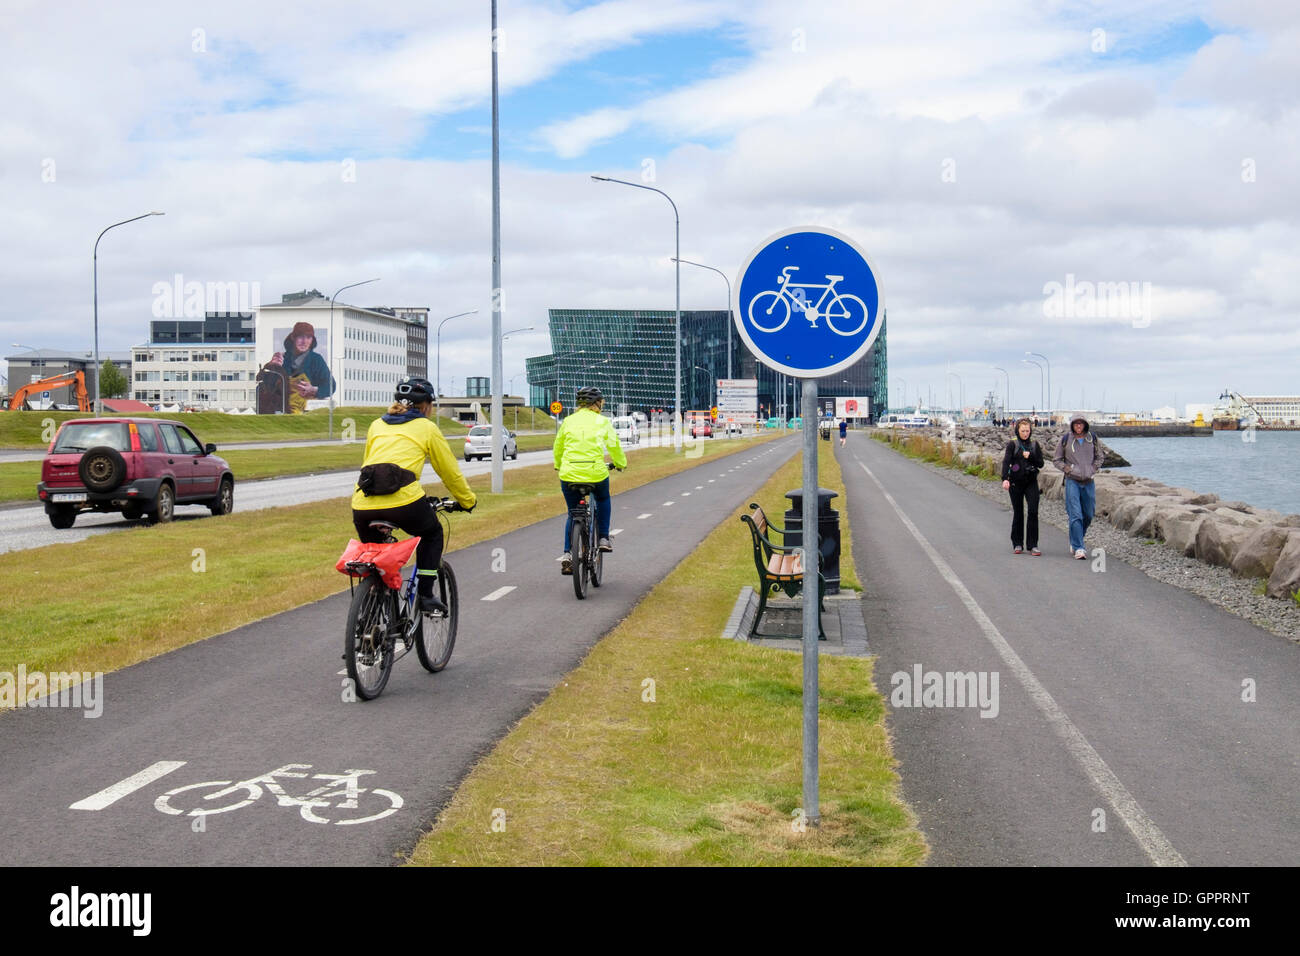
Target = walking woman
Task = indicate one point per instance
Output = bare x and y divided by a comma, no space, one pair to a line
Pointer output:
1021,460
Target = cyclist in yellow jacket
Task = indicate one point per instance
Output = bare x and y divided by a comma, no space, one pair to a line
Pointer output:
580,447
389,488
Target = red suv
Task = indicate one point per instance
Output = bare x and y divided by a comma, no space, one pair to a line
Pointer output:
138,466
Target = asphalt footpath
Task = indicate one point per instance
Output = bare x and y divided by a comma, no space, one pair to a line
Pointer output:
1052,711
243,750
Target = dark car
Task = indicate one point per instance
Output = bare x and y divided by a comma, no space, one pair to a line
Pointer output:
142,467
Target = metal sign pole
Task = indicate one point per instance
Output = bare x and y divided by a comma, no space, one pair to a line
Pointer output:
811,549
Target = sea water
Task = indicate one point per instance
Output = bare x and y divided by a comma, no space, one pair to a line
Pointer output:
1261,468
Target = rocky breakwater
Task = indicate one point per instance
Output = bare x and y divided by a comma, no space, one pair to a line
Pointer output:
1251,542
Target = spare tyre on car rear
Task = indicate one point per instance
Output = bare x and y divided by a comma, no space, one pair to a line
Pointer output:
102,468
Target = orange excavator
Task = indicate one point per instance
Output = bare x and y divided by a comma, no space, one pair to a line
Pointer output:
19,399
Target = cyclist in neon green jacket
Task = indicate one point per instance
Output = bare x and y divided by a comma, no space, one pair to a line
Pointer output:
580,447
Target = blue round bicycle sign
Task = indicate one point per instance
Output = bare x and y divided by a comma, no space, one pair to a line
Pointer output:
809,302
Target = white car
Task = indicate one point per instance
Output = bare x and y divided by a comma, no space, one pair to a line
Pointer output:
626,430
478,443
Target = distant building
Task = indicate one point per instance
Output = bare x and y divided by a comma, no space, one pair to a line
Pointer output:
1276,409
206,363
630,355
373,347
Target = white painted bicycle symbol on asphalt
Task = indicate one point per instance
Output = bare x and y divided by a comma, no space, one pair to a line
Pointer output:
774,306
345,785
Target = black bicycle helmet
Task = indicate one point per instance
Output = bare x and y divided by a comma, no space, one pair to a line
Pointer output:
590,395
414,390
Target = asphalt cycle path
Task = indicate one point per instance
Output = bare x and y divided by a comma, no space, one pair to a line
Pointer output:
326,781
1118,735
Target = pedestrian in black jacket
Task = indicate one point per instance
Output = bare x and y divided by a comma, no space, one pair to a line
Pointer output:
1021,461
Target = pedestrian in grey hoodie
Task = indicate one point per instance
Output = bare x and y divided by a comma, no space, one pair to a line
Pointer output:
1079,457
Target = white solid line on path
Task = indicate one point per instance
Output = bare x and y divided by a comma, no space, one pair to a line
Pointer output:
110,795
615,531
498,593
342,673
644,516
669,504
1154,843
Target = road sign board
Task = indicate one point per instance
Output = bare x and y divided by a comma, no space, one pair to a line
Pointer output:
810,302
556,408
713,413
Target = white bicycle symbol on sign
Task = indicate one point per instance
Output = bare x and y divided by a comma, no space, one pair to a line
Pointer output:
774,305
345,785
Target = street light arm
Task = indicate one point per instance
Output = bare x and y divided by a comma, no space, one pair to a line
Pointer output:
123,223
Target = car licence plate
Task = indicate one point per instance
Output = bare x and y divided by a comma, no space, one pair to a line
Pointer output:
78,496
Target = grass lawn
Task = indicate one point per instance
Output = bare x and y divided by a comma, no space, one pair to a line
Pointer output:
154,598
669,746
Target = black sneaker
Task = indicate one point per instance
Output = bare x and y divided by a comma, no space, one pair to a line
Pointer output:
432,604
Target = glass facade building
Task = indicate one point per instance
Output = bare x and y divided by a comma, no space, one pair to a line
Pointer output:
629,355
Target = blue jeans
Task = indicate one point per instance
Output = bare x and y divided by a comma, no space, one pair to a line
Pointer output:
1080,504
603,507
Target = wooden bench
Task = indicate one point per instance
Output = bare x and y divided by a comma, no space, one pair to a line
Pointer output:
779,568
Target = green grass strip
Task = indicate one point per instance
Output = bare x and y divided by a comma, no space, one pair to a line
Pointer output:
668,746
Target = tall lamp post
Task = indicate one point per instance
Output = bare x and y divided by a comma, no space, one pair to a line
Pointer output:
1006,402
1049,383
95,257
334,346
1040,376
709,373
677,324
437,347
728,281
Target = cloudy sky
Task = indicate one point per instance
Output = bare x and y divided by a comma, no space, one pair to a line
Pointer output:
980,151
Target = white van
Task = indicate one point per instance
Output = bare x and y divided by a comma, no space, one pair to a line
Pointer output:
626,430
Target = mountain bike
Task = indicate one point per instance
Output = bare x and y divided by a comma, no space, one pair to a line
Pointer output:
588,559
385,610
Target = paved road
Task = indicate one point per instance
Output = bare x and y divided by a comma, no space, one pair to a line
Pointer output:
268,695
1118,695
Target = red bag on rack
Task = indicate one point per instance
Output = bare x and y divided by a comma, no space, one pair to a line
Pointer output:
389,558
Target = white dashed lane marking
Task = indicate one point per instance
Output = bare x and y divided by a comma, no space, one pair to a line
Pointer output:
669,504
686,494
615,531
644,516
699,487
498,593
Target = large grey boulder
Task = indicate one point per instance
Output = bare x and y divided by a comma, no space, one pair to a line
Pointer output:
1049,483
1236,517
1206,499
1124,514
1178,530
1285,579
1217,541
1258,554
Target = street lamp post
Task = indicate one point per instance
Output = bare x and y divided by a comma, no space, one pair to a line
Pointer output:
728,281
437,347
961,393
709,373
95,258
1049,383
1006,402
333,346
1040,377
677,324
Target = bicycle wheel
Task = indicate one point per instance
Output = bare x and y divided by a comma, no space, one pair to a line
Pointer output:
437,634
578,551
368,646
770,306
849,309
597,556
